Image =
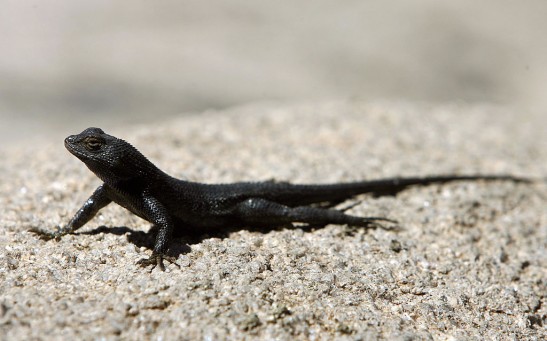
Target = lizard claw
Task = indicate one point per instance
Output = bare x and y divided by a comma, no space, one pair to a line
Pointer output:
376,222
156,259
45,234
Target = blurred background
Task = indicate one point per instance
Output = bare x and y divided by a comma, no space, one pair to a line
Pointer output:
66,65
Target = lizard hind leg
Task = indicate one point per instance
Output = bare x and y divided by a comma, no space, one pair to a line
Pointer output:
264,212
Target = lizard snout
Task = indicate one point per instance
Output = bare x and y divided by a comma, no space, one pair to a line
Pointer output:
70,139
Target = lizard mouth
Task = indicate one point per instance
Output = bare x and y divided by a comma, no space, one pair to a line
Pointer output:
69,141
70,145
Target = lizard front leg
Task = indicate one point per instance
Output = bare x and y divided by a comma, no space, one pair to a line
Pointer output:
157,214
96,201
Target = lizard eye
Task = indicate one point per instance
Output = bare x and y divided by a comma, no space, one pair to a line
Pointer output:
93,143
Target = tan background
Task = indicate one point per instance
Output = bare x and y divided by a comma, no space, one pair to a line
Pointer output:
419,87
65,65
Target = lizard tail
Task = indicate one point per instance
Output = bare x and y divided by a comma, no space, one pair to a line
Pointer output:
296,195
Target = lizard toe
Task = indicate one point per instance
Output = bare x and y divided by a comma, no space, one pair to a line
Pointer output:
45,234
156,260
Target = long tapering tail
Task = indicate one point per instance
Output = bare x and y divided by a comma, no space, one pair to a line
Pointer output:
295,195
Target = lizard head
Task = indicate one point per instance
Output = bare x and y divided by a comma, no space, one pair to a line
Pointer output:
110,158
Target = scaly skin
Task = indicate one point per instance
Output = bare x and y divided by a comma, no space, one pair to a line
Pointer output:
133,182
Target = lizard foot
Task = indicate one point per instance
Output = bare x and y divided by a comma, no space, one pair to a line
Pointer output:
373,223
377,222
156,259
47,235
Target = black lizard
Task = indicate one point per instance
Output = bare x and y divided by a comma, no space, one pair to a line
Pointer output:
135,183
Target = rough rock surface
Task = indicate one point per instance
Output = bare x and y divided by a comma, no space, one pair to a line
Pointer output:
470,261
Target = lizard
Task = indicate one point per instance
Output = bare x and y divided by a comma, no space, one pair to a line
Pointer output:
135,183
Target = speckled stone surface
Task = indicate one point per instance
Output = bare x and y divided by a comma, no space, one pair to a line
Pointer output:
470,261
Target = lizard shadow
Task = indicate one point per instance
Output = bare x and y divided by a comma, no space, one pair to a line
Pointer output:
184,238
140,238
181,242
